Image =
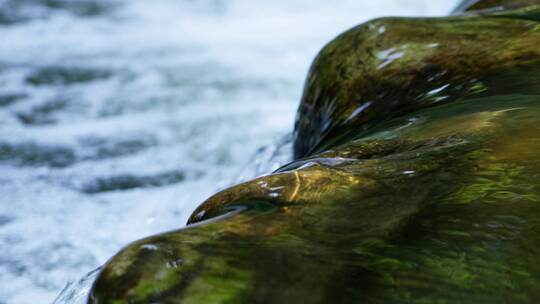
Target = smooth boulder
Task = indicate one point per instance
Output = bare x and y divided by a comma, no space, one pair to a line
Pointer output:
415,181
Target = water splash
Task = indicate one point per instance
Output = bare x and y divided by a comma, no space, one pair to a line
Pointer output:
267,159
77,292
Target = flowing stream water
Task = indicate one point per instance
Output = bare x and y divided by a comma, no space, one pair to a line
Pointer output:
117,118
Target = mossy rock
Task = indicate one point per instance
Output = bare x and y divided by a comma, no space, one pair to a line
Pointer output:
493,5
416,181
392,66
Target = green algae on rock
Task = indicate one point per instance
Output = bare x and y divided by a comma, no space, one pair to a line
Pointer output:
492,5
393,66
416,181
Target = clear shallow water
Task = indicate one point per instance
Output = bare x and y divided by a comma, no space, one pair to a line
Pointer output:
118,119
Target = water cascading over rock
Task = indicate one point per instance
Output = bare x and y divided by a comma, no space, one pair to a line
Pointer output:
416,180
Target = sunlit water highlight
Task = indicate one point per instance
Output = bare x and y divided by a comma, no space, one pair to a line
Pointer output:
118,118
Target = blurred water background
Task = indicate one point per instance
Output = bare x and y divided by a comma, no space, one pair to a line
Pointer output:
117,118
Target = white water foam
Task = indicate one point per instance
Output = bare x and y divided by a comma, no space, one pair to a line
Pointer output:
116,126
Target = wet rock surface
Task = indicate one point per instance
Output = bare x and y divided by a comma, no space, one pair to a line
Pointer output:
492,5
390,67
415,180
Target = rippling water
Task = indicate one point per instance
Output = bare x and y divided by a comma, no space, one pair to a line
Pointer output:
118,117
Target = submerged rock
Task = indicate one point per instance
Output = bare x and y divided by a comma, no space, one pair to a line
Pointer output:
52,75
416,180
44,113
33,154
8,99
128,182
17,11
